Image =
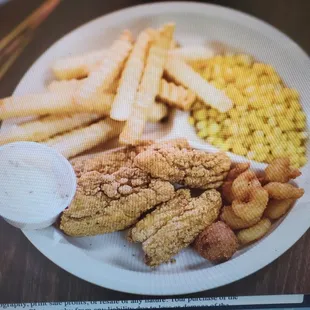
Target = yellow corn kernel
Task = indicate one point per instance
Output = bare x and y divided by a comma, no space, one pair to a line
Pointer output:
294,159
201,124
272,139
278,151
300,116
249,90
218,59
294,104
279,109
207,73
303,135
259,136
216,72
272,122
301,150
212,113
258,68
260,157
220,117
191,121
239,149
280,97
200,115
264,89
277,131
301,124
229,60
244,60
244,130
251,155
285,124
228,74
290,93
203,133
233,114
302,160
269,158
213,129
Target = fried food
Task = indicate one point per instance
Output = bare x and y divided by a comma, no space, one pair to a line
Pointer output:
194,168
242,184
45,127
155,220
157,112
106,203
149,87
77,67
193,55
253,206
255,232
131,76
217,243
176,95
108,162
280,170
233,221
61,102
277,190
182,73
83,139
182,230
236,170
277,208
226,191
102,78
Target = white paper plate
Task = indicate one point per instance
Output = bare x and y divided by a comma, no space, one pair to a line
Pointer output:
109,260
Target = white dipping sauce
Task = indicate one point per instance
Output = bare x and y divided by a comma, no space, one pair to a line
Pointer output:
35,185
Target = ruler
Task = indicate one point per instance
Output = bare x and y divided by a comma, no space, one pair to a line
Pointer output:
243,302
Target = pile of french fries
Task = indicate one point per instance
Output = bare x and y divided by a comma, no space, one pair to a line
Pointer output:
112,92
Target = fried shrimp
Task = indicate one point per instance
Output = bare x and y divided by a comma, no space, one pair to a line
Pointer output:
227,192
253,205
237,170
276,208
277,190
242,184
279,170
255,232
235,222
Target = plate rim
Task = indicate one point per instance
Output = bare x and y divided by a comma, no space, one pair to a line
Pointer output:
194,283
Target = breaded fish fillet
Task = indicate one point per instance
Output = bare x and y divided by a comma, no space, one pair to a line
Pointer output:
110,202
182,230
194,168
158,218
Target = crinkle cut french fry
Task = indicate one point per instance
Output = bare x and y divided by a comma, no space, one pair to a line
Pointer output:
157,112
45,127
102,78
131,76
149,86
83,139
76,67
61,102
193,54
176,96
182,73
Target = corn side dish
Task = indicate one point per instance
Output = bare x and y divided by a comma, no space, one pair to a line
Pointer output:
266,121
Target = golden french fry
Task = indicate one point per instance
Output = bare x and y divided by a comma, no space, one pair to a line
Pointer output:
102,78
157,112
276,208
149,86
61,102
76,67
255,232
176,96
233,221
193,54
83,139
182,73
131,76
45,127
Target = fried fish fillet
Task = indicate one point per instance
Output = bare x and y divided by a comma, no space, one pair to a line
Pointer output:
178,164
110,202
181,230
153,221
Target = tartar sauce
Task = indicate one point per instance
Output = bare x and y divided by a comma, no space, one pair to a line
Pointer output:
33,184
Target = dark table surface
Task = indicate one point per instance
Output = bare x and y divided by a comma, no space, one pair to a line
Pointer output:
25,274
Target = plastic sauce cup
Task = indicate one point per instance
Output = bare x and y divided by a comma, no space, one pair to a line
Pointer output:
36,184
